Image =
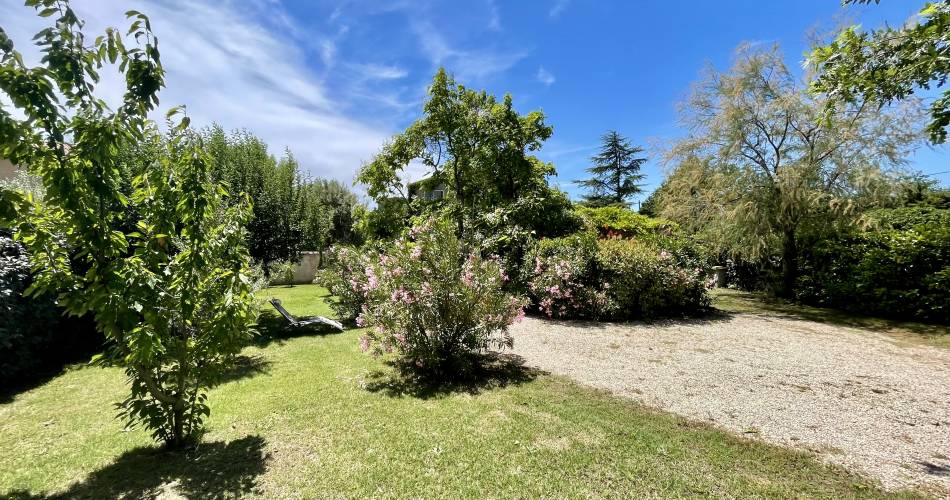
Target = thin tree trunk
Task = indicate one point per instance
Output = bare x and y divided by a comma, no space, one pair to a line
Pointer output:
789,263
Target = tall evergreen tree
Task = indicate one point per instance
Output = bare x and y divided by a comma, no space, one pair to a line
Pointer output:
616,172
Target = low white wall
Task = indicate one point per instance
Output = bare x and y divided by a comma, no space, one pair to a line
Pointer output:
305,270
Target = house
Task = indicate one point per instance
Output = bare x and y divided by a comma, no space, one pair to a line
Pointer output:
429,189
7,169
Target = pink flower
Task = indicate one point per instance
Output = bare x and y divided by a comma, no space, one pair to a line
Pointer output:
364,343
360,321
416,252
520,316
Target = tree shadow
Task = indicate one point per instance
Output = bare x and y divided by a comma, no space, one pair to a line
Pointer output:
211,470
491,370
243,367
733,301
274,328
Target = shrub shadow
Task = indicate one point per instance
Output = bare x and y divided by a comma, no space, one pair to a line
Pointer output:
491,370
211,470
707,316
274,328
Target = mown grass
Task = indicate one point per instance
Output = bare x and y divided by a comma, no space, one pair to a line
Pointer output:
314,417
734,301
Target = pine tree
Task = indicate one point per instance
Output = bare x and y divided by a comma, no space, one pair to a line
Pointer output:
616,172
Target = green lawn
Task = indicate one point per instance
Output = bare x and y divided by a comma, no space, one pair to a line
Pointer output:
308,415
734,301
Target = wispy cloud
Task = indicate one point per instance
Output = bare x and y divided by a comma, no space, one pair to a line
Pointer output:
494,16
228,68
468,65
545,77
558,7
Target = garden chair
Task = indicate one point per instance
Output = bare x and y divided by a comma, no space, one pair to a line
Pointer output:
304,321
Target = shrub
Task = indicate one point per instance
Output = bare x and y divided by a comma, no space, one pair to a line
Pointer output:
582,277
282,272
346,276
900,273
646,282
436,302
621,221
564,278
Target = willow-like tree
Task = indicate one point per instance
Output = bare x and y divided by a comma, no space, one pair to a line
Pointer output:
767,160
890,64
163,270
615,173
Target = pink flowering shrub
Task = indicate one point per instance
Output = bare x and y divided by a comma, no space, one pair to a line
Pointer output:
563,278
434,302
582,277
648,282
348,275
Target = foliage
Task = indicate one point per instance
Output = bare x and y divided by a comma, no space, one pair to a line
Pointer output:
478,147
615,173
327,212
564,278
435,302
889,64
171,295
766,162
283,272
621,221
346,276
899,268
242,163
582,277
34,334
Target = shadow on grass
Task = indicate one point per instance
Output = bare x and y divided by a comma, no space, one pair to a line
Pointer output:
211,470
733,301
274,328
489,371
243,367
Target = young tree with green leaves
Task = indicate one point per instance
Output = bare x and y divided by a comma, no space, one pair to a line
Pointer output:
889,64
766,161
616,173
163,270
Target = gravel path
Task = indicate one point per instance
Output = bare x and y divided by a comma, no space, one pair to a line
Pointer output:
854,397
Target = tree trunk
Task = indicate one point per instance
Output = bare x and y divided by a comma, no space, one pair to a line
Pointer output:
789,264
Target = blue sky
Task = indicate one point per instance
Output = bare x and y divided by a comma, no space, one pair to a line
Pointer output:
332,81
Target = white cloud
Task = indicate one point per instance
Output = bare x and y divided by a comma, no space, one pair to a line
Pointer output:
545,77
494,16
467,65
372,71
228,68
558,7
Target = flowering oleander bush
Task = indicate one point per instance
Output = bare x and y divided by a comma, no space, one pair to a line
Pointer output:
647,282
349,275
564,281
582,277
435,302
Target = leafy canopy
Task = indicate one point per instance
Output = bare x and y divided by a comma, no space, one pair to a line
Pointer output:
163,269
888,64
766,160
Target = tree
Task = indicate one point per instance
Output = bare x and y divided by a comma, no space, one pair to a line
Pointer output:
242,163
616,172
888,64
474,144
171,294
766,161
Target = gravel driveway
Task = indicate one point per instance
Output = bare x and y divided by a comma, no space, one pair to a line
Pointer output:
854,397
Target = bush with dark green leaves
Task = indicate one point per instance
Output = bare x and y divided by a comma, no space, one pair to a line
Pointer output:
35,336
899,267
